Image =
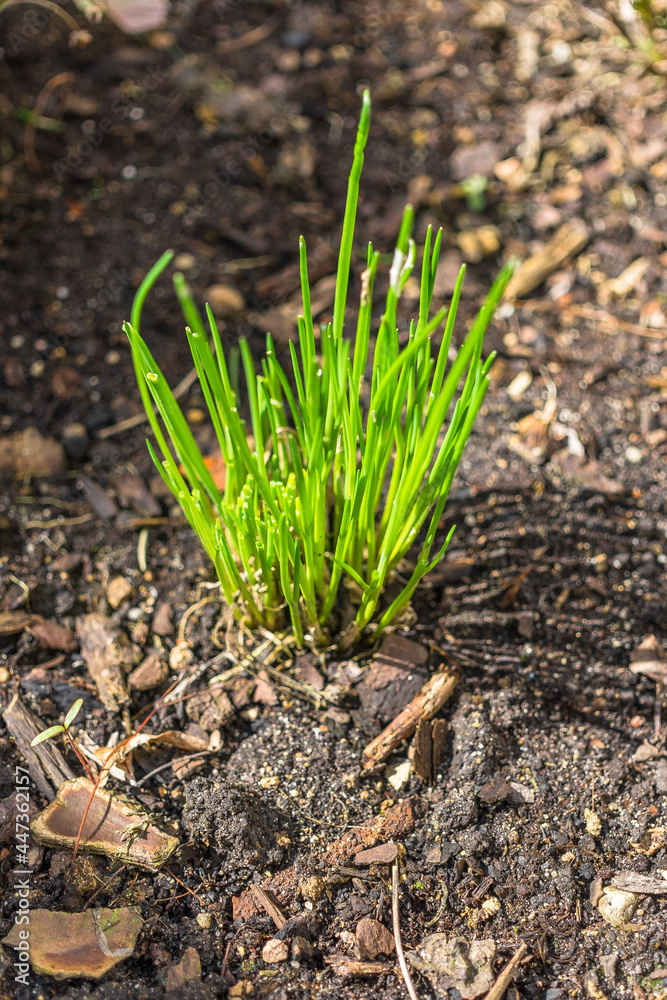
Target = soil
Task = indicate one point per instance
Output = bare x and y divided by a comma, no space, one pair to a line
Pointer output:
225,136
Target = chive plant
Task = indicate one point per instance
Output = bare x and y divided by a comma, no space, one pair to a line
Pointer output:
350,456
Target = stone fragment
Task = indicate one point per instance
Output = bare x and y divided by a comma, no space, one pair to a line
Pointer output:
180,973
78,945
454,963
27,453
101,502
150,673
225,300
373,939
275,951
118,590
383,854
162,623
617,906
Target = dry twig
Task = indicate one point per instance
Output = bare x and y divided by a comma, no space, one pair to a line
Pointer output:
507,974
396,920
425,705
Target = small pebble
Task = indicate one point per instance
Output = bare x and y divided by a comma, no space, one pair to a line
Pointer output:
118,590
593,822
225,300
275,951
634,455
204,920
617,906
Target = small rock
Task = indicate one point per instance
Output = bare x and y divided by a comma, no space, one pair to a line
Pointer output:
383,854
27,453
181,656
608,963
634,455
617,906
398,775
454,963
185,261
645,751
301,949
225,300
476,244
204,921
149,674
101,502
373,939
520,794
593,822
75,440
162,620
183,972
275,951
118,590
491,15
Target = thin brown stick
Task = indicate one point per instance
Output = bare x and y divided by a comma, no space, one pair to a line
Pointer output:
507,974
140,418
267,904
79,755
396,920
612,323
425,705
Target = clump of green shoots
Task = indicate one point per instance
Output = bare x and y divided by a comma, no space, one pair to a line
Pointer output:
46,734
345,465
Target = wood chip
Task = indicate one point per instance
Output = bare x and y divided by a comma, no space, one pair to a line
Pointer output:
48,768
427,703
566,242
373,939
641,884
270,906
344,966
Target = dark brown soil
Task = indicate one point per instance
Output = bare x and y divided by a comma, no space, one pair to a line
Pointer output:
226,138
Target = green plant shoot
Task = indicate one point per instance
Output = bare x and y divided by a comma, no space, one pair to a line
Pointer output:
350,454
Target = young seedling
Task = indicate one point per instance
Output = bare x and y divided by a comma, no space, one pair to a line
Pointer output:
350,457
64,728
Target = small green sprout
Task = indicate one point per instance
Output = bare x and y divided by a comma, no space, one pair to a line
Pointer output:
64,728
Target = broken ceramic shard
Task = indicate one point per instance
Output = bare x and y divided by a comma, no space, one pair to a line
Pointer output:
114,826
78,945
